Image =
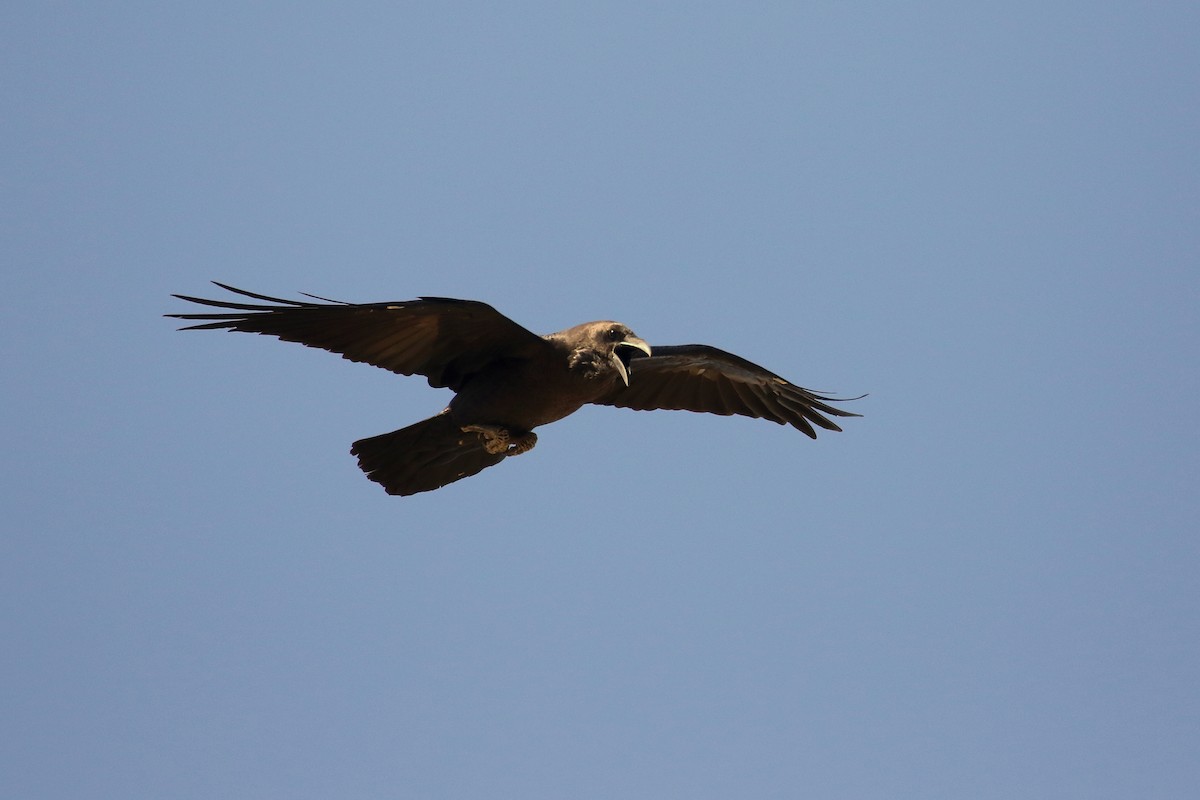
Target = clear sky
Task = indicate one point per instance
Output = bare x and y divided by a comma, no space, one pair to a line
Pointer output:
985,215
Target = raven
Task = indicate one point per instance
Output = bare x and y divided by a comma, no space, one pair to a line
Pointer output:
508,380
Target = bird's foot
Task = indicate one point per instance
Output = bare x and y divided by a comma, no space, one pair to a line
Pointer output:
498,440
522,444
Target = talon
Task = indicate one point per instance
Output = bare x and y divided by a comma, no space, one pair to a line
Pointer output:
522,444
495,438
498,440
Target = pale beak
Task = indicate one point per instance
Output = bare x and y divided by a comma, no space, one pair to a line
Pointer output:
635,343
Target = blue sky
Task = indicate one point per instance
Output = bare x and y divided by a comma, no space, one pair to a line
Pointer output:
984,216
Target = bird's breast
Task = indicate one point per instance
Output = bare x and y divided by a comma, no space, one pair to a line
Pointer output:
529,394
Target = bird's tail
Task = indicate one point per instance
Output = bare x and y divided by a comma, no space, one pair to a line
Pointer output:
423,457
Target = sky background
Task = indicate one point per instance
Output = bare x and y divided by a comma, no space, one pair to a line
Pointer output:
985,215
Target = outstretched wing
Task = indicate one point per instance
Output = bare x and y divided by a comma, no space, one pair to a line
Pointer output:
696,377
443,339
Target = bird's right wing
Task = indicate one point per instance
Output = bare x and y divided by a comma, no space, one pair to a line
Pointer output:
696,377
443,339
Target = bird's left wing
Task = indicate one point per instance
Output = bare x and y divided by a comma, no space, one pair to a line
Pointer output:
443,339
696,377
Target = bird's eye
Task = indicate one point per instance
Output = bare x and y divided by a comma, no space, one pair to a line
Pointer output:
615,334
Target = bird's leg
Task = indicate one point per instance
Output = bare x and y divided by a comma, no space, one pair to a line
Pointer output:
500,440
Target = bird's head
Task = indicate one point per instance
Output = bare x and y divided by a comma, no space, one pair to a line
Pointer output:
610,344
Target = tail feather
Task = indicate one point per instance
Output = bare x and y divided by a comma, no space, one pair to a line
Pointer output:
422,457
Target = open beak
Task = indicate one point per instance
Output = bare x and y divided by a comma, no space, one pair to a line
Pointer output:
633,343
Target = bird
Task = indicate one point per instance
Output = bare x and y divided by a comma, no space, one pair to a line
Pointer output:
507,380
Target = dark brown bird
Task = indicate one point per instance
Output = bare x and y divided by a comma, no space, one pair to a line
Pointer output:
507,380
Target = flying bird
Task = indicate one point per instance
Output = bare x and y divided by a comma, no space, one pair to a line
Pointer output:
507,380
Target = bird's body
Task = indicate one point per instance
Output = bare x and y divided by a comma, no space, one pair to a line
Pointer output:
507,380
536,390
